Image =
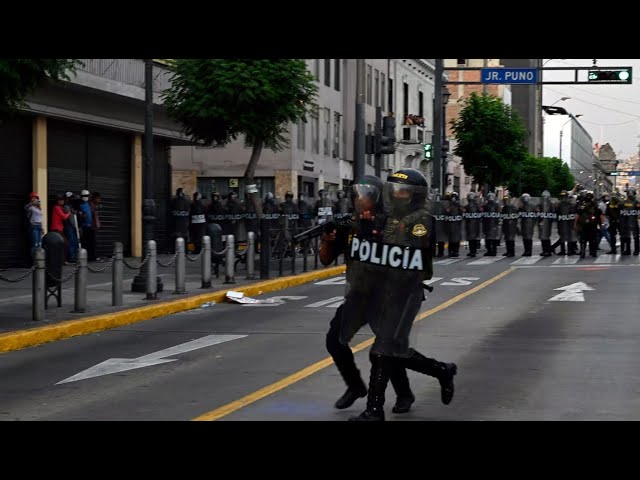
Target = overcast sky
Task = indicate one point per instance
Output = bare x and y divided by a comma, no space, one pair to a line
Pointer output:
611,113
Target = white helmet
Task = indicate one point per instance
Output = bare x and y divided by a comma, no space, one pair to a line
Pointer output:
84,193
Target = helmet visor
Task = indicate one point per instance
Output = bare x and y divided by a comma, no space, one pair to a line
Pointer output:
364,197
398,195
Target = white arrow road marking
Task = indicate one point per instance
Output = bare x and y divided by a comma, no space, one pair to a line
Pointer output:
115,365
276,301
432,280
336,301
333,281
460,281
571,293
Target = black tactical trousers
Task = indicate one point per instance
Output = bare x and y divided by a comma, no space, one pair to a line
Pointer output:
346,364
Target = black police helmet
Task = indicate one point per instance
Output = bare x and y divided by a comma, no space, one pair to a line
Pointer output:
416,183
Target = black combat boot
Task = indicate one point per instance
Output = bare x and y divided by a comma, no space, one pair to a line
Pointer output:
562,251
380,368
636,248
625,246
400,382
528,246
582,248
511,248
473,248
440,249
343,358
444,372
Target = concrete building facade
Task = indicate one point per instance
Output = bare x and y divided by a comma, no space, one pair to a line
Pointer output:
86,133
320,152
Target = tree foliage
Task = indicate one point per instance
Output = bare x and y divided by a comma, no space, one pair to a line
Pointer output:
217,99
19,77
490,139
539,174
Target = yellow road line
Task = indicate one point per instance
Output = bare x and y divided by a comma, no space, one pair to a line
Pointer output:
316,367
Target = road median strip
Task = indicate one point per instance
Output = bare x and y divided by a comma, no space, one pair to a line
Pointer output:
70,328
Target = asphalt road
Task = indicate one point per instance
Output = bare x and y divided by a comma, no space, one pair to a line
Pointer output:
521,355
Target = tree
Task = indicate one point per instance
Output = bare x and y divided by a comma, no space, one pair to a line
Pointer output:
216,100
539,174
561,176
490,139
19,77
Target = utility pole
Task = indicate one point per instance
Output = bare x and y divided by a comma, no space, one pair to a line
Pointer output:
377,156
359,134
438,122
148,204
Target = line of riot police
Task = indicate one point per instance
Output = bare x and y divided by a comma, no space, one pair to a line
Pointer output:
189,219
580,221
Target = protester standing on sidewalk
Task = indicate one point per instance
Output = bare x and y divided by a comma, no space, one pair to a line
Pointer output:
59,216
33,211
88,237
70,228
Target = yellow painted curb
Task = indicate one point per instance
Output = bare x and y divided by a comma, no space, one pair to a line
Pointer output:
70,328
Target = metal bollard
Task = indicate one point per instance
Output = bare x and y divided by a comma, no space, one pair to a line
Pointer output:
206,262
180,266
117,275
230,260
251,255
80,291
152,270
38,285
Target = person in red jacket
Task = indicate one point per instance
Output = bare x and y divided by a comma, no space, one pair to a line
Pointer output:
59,216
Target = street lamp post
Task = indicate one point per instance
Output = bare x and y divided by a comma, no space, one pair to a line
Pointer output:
571,117
149,204
445,100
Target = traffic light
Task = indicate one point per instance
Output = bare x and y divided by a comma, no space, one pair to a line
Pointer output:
388,139
369,145
428,150
616,75
445,148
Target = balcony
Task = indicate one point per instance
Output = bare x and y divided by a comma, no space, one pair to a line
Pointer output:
414,134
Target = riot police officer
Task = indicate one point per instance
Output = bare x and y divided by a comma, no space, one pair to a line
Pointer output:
629,223
587,223
491,225
341,208
612,212
454,224
546,216
528,218
198,227
510,217
439,214
397,267
368,222
472,215
180,212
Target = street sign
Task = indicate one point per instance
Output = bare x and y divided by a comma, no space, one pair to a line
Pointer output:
509,75
622,173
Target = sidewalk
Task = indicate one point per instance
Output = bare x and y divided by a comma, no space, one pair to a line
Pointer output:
16,298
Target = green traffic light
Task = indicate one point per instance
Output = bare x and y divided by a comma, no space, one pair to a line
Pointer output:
623,75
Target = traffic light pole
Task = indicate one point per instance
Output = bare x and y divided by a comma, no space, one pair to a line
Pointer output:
359,133
438,122
378,143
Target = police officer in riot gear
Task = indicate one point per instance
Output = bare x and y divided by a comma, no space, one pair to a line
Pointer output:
510,217
454,224
341,208
472,215
323,207
588,223
528,218
629,223
439,214
546,216
397,267
180,212
198,221
565,219
368,223
289,215
491,225
306,218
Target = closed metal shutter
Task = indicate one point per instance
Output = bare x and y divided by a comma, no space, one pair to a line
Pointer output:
109,173
15,185
85,157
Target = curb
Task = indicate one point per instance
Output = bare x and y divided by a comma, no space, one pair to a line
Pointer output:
71,328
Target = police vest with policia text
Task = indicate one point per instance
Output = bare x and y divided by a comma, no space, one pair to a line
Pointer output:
388,254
